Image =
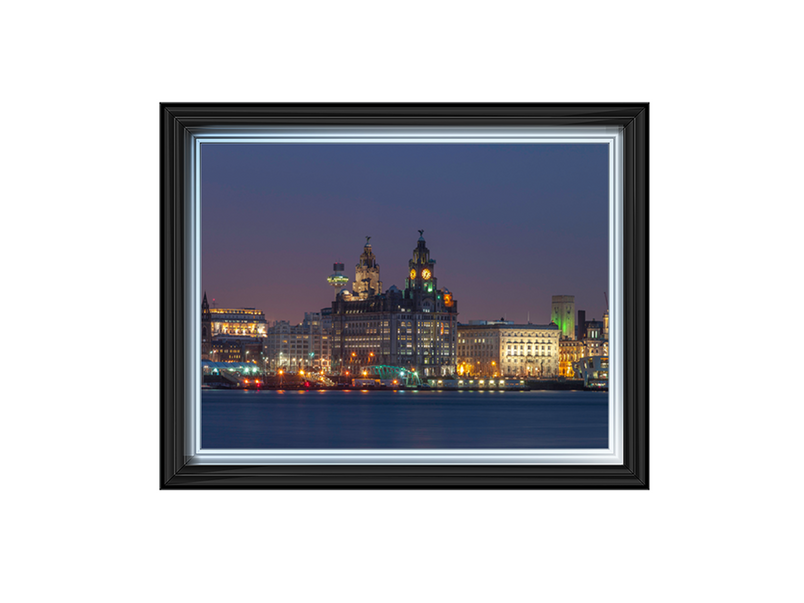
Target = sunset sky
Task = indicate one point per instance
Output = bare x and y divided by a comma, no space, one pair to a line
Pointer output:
509,225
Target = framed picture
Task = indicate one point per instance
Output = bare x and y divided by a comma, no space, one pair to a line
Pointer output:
404,296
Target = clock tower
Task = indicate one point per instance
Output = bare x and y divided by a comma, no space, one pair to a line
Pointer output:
421,282
433,316
415,329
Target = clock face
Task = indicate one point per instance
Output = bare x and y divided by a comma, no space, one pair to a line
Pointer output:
426,274
412,274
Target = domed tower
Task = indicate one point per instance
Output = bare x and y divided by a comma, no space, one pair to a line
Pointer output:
367,274
337,280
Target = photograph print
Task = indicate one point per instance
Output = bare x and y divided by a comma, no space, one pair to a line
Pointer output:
388,296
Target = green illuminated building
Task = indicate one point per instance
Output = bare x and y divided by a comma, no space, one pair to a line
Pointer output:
563,314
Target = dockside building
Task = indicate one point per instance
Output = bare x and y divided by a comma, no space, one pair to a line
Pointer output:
305,346
504,349
231,334
414,328
591,341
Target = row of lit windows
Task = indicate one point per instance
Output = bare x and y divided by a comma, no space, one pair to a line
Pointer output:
522,347
517,361
233,311
352,345
285,343
399,317
531,334
470,332
423,335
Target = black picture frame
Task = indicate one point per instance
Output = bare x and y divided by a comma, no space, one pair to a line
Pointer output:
177,121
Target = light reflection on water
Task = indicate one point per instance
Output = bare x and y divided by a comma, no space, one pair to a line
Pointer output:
413,419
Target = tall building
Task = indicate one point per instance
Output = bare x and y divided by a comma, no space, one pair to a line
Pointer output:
591,341
414,328
367,274
580,325
595,337
303,346
246,322
563,314
504,349
230,323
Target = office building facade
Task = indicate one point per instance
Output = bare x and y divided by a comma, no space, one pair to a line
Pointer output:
231,324
305,346
504,349
414,328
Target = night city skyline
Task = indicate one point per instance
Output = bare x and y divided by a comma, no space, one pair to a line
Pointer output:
509,225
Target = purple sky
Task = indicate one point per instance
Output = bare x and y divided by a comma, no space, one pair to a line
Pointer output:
508,225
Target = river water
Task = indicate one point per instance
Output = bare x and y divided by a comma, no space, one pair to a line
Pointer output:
294,419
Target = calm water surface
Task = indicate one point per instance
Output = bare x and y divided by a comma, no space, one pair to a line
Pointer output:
403,419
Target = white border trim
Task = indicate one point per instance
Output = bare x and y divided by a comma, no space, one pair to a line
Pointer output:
613,455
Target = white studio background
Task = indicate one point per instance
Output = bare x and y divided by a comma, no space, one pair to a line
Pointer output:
84,519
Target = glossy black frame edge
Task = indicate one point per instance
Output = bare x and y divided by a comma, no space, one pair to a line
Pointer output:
176,119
